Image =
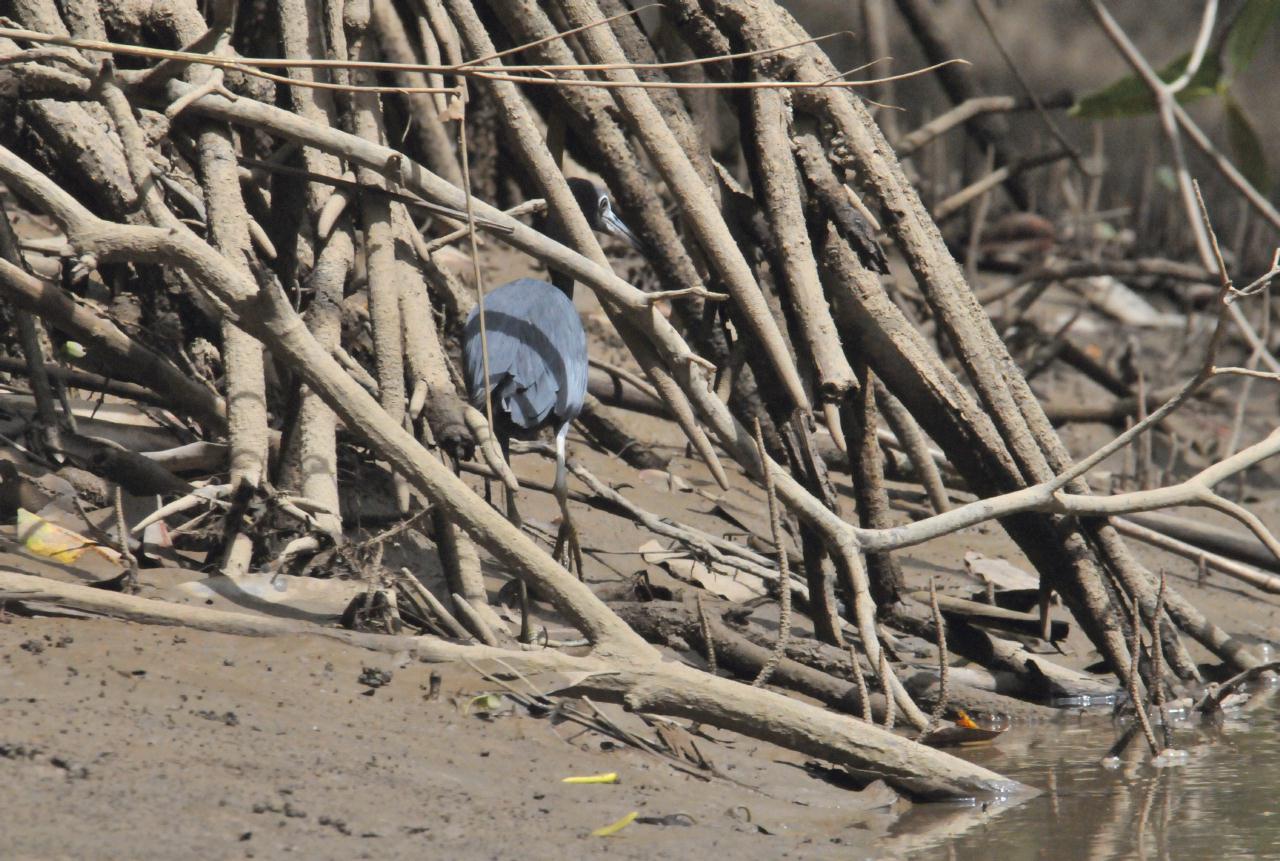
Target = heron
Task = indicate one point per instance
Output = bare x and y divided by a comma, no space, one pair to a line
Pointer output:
537,349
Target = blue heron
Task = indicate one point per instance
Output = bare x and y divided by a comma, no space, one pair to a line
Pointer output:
538,355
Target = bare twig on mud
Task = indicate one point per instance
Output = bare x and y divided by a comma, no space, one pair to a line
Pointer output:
860,679
784,573
886,673
1133,684
1212,561
122,534
940,707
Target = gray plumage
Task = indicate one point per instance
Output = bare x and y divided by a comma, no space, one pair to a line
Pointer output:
537,355
537,347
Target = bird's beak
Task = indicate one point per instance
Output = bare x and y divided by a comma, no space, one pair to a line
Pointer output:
612,224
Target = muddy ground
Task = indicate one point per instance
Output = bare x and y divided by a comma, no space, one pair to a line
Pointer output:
121,740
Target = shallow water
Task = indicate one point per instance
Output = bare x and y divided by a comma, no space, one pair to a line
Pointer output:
1222,802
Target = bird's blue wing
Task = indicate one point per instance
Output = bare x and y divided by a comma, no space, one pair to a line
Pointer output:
537,353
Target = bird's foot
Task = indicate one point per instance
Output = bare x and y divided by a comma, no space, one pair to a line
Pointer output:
567,550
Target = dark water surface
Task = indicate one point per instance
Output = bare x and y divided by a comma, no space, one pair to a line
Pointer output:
1222,801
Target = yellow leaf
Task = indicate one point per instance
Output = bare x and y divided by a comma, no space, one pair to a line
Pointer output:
484,703
610,830
611,777
48,539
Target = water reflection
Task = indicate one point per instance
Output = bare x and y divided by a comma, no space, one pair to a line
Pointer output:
1223,802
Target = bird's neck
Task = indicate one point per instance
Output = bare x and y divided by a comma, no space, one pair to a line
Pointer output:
563,281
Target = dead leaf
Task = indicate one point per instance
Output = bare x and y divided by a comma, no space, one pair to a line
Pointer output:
677,740
999,573
45,538
734,587
665,480
1118,301
959,736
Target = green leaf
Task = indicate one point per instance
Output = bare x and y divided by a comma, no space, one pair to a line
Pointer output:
1246,148
1248,32
1131,97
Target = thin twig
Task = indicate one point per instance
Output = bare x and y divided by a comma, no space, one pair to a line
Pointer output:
122,533
1200,48
1157,669
887,687
460,94
784,571
254,66
981,7
864,696
1135,653
939,624
705,622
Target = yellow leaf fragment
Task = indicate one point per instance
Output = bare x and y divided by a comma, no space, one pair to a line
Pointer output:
611,777
45,538
610,830
484,703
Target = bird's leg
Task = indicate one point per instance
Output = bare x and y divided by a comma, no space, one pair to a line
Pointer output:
567,536
513,515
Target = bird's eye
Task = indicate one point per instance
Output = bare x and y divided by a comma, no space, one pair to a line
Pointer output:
604,206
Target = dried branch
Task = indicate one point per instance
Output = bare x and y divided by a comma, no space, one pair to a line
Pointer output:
699,208
784,574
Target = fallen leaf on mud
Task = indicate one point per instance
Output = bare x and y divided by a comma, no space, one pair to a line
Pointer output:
609,777
614,828
1117,300
485,704
683,566
999,573
664,480
680,743
45,538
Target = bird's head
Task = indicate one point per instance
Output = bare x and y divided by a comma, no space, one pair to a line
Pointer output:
595,204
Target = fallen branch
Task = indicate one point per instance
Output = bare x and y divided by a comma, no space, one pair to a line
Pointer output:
660,687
